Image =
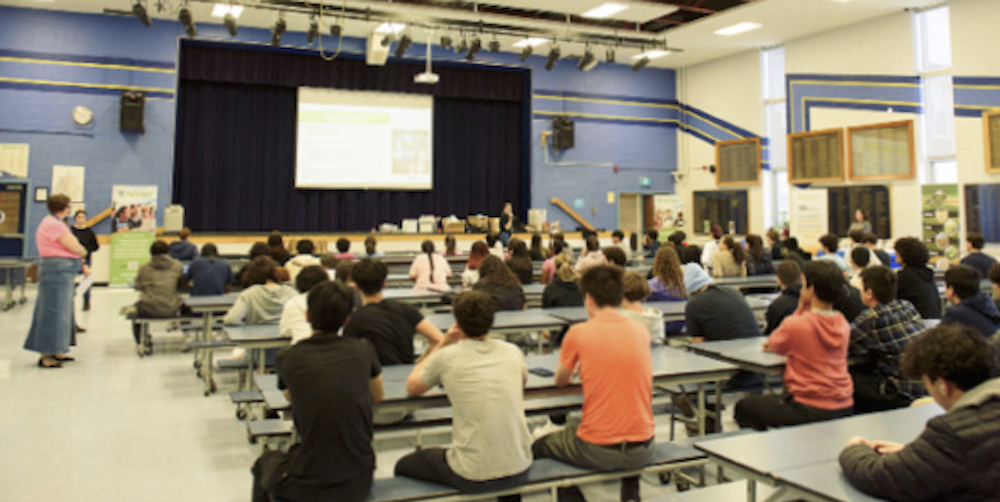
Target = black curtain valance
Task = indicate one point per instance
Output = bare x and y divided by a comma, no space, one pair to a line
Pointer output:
260,65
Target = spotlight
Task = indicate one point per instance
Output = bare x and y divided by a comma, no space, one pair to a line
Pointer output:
494,45
404,43
526,53
139,11
335,30
313,29
230,21
588,61
278,31
446,42
184,16
462,46
640,64
553,56
474,48
386,40
609,55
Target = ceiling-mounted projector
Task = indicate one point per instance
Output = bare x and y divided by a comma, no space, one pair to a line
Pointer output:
426,78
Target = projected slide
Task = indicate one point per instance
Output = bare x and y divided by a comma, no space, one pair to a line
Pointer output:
364,140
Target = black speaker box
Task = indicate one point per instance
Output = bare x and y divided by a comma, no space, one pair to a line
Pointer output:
133,104
562,133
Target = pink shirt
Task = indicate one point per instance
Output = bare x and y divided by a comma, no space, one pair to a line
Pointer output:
816,347
420,272
47,238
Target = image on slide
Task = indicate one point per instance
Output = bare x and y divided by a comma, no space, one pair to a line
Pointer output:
411,152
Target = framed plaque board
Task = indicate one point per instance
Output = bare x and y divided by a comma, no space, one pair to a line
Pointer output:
882,151
816,156
720,208
991,140
737,162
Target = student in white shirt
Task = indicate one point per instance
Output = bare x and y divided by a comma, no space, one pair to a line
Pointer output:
293,323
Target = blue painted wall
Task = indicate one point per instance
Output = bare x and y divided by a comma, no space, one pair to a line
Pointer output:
51,62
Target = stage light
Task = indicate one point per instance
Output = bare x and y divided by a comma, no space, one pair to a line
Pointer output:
550,60
404,43
230,21
335,30
640,63
313,29
446,42
184,16
474,48
462,46
278,30
526,53
588,61
494,45
609,55
139,11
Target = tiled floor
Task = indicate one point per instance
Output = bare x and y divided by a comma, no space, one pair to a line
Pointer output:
113,427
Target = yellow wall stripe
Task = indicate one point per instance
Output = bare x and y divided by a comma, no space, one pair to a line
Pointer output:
9,59
89,86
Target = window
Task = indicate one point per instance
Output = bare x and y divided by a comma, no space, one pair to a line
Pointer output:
932,40
775,181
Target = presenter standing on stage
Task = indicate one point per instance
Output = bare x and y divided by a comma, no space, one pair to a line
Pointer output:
52,325
506,223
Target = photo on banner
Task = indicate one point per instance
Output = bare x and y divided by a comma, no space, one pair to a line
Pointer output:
134,227
668,214
941,226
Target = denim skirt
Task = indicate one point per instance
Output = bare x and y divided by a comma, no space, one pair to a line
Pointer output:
52,325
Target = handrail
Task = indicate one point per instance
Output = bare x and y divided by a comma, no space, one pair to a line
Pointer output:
572,214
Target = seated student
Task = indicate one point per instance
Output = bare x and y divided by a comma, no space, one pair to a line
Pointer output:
389,325
520,261
157,283
344,250
676,239
450,246
276,248
304,258
333,382
484,379
495,246
556,248
329,263
790,282
476,254
957,456
860,259
209,274
591,256
815,339
916,281
715,312
497,280
345,274
636,290
651,242
774,241
758,259
969,305
858,240
870,241
667,283
994,277
794,252
294,322
711,247
730,260
882,331
618,241
264,299
977,259
537,251
691,254
430,270
829,244
611,355
563,290
182,249
613,255
257,249
370,248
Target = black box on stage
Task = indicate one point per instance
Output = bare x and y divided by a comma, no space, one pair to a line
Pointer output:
133,103
562,133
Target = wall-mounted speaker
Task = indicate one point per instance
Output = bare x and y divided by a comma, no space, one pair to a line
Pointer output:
132,106
562,133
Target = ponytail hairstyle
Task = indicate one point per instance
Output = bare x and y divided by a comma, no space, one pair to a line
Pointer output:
428,248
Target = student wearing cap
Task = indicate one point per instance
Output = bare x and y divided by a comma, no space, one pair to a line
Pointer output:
715,312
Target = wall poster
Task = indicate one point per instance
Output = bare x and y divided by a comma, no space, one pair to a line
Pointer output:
134,226
941,220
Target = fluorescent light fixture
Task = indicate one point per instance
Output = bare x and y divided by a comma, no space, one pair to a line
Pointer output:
530,42
737,28
604,10
221,9
651,54
391,28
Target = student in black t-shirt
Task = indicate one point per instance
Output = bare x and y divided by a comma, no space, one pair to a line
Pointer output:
333,382
389,325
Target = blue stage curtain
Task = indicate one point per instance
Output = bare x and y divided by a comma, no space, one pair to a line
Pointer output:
234,159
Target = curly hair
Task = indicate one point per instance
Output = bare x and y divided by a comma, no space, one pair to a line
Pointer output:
495,271
954,352
913,252
667,267
261,270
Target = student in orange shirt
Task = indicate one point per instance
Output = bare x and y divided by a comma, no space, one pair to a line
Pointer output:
611,354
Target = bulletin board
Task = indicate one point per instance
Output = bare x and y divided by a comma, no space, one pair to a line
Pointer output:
737,162
882,151
816,156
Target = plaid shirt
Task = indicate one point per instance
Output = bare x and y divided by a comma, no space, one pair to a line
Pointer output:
882,332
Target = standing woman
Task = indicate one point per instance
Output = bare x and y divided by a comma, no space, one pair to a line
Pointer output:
506,223
88,240
860,222
52,325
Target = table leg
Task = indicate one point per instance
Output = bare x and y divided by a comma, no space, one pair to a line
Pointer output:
751,490
702,409
205,358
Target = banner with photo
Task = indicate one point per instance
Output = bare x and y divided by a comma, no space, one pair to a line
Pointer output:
668,214
941,220
134,227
